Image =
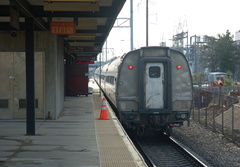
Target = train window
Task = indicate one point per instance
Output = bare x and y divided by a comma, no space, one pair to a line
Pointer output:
110,79
154,72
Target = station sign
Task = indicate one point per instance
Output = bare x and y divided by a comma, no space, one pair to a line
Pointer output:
85,62
86,58
79,49
63,28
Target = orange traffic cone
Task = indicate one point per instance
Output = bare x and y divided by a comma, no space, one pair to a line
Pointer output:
104,111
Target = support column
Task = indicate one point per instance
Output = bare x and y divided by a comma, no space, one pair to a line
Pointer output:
146,22
30,84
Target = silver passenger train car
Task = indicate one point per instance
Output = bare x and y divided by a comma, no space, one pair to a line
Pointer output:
151,88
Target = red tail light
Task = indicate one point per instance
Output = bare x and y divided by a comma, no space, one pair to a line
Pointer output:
130,67
178,67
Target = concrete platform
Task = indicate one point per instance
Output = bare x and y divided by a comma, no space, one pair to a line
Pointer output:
77,139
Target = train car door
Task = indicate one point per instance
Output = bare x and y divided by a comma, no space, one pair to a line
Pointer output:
154,93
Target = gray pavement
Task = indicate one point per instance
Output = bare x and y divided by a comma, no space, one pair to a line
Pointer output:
69,141
76,139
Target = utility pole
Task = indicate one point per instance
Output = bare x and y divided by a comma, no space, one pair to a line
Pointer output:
106,51
131,23
124,20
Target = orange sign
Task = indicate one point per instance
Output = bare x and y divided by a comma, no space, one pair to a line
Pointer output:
63,28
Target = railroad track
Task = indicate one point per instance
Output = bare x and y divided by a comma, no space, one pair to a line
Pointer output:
161,151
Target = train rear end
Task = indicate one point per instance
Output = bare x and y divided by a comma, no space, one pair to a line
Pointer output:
155,99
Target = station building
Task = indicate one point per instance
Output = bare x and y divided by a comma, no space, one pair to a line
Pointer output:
39,42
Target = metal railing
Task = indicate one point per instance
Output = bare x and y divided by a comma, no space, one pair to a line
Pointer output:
219,109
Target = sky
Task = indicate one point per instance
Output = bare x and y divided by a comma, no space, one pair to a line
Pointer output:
169,17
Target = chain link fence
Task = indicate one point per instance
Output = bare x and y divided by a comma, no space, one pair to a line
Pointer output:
219,109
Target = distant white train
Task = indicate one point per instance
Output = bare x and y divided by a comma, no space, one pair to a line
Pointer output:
151,88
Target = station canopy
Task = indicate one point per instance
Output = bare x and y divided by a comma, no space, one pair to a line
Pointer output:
84,24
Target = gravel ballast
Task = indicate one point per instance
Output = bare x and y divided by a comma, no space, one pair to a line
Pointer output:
213,147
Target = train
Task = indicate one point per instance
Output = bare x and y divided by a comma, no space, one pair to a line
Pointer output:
149,88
